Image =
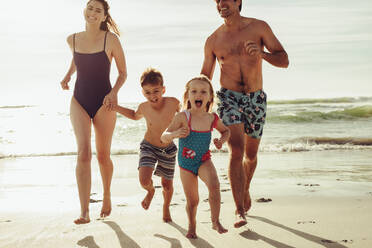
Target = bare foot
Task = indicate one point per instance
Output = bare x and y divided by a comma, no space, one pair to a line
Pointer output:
106,207
219,228
82,220
191,235
148,198
166,214
247,203
240,220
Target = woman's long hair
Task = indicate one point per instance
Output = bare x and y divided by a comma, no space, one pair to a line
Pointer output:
108,24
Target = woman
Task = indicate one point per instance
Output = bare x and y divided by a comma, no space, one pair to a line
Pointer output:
94,98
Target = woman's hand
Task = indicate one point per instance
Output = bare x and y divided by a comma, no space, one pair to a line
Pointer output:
111,100
64,83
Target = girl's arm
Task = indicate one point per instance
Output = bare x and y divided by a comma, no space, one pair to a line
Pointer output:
111,99
177,129
225,134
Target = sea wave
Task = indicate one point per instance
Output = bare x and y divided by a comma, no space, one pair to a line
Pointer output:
16,106
322,100
352,113
302,144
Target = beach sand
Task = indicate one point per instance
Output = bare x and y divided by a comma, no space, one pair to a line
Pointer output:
319,199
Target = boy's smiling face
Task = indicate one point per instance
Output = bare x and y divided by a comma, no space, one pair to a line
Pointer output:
153,93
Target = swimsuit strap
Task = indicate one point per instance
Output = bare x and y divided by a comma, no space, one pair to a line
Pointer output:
188,117
104,46
73,42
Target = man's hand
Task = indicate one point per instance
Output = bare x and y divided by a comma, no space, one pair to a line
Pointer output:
217,143
252,49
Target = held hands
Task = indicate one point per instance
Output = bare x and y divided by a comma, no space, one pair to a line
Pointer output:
182,132
217,143
252,49
64,83
110,101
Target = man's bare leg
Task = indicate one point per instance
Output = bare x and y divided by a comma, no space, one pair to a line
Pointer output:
236,171
167,195
250,164
145,178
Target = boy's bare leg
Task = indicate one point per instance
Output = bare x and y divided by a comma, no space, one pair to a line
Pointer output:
167,195
208,175
250,164
104,125
236,146
190,187
145,178
82,128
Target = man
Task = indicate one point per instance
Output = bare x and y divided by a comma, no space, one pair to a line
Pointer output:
238,45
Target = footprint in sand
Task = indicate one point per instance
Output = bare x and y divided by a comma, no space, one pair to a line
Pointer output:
263,200
309,184
5,221
225,190
122,205
94,201
174,204
305,222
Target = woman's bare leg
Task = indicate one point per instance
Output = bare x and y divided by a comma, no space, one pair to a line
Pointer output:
82,128
104,124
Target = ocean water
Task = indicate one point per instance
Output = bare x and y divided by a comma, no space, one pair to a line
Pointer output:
292,126
330,64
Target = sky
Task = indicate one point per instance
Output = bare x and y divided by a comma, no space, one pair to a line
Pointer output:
328,42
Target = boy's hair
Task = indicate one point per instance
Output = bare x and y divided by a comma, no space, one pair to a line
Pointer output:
186,102
151,76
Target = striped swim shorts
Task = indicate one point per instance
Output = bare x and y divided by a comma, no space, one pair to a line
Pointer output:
165,157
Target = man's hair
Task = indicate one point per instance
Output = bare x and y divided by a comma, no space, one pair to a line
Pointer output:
240,6
151,76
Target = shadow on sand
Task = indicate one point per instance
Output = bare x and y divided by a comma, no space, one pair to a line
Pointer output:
88,241
124,240
199,242
175,243
316,239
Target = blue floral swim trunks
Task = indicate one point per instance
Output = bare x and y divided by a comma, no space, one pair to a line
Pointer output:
248,108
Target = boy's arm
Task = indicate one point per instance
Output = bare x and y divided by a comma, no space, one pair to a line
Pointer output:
176,129
225,134
130,113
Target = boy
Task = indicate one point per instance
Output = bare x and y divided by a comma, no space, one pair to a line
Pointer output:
158,112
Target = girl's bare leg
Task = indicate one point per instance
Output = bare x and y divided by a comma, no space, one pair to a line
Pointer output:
82,128
190,187
208,175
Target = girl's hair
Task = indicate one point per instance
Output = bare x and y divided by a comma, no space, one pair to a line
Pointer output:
186,102
108,24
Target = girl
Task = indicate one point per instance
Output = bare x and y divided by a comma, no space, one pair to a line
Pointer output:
193,151
94,98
